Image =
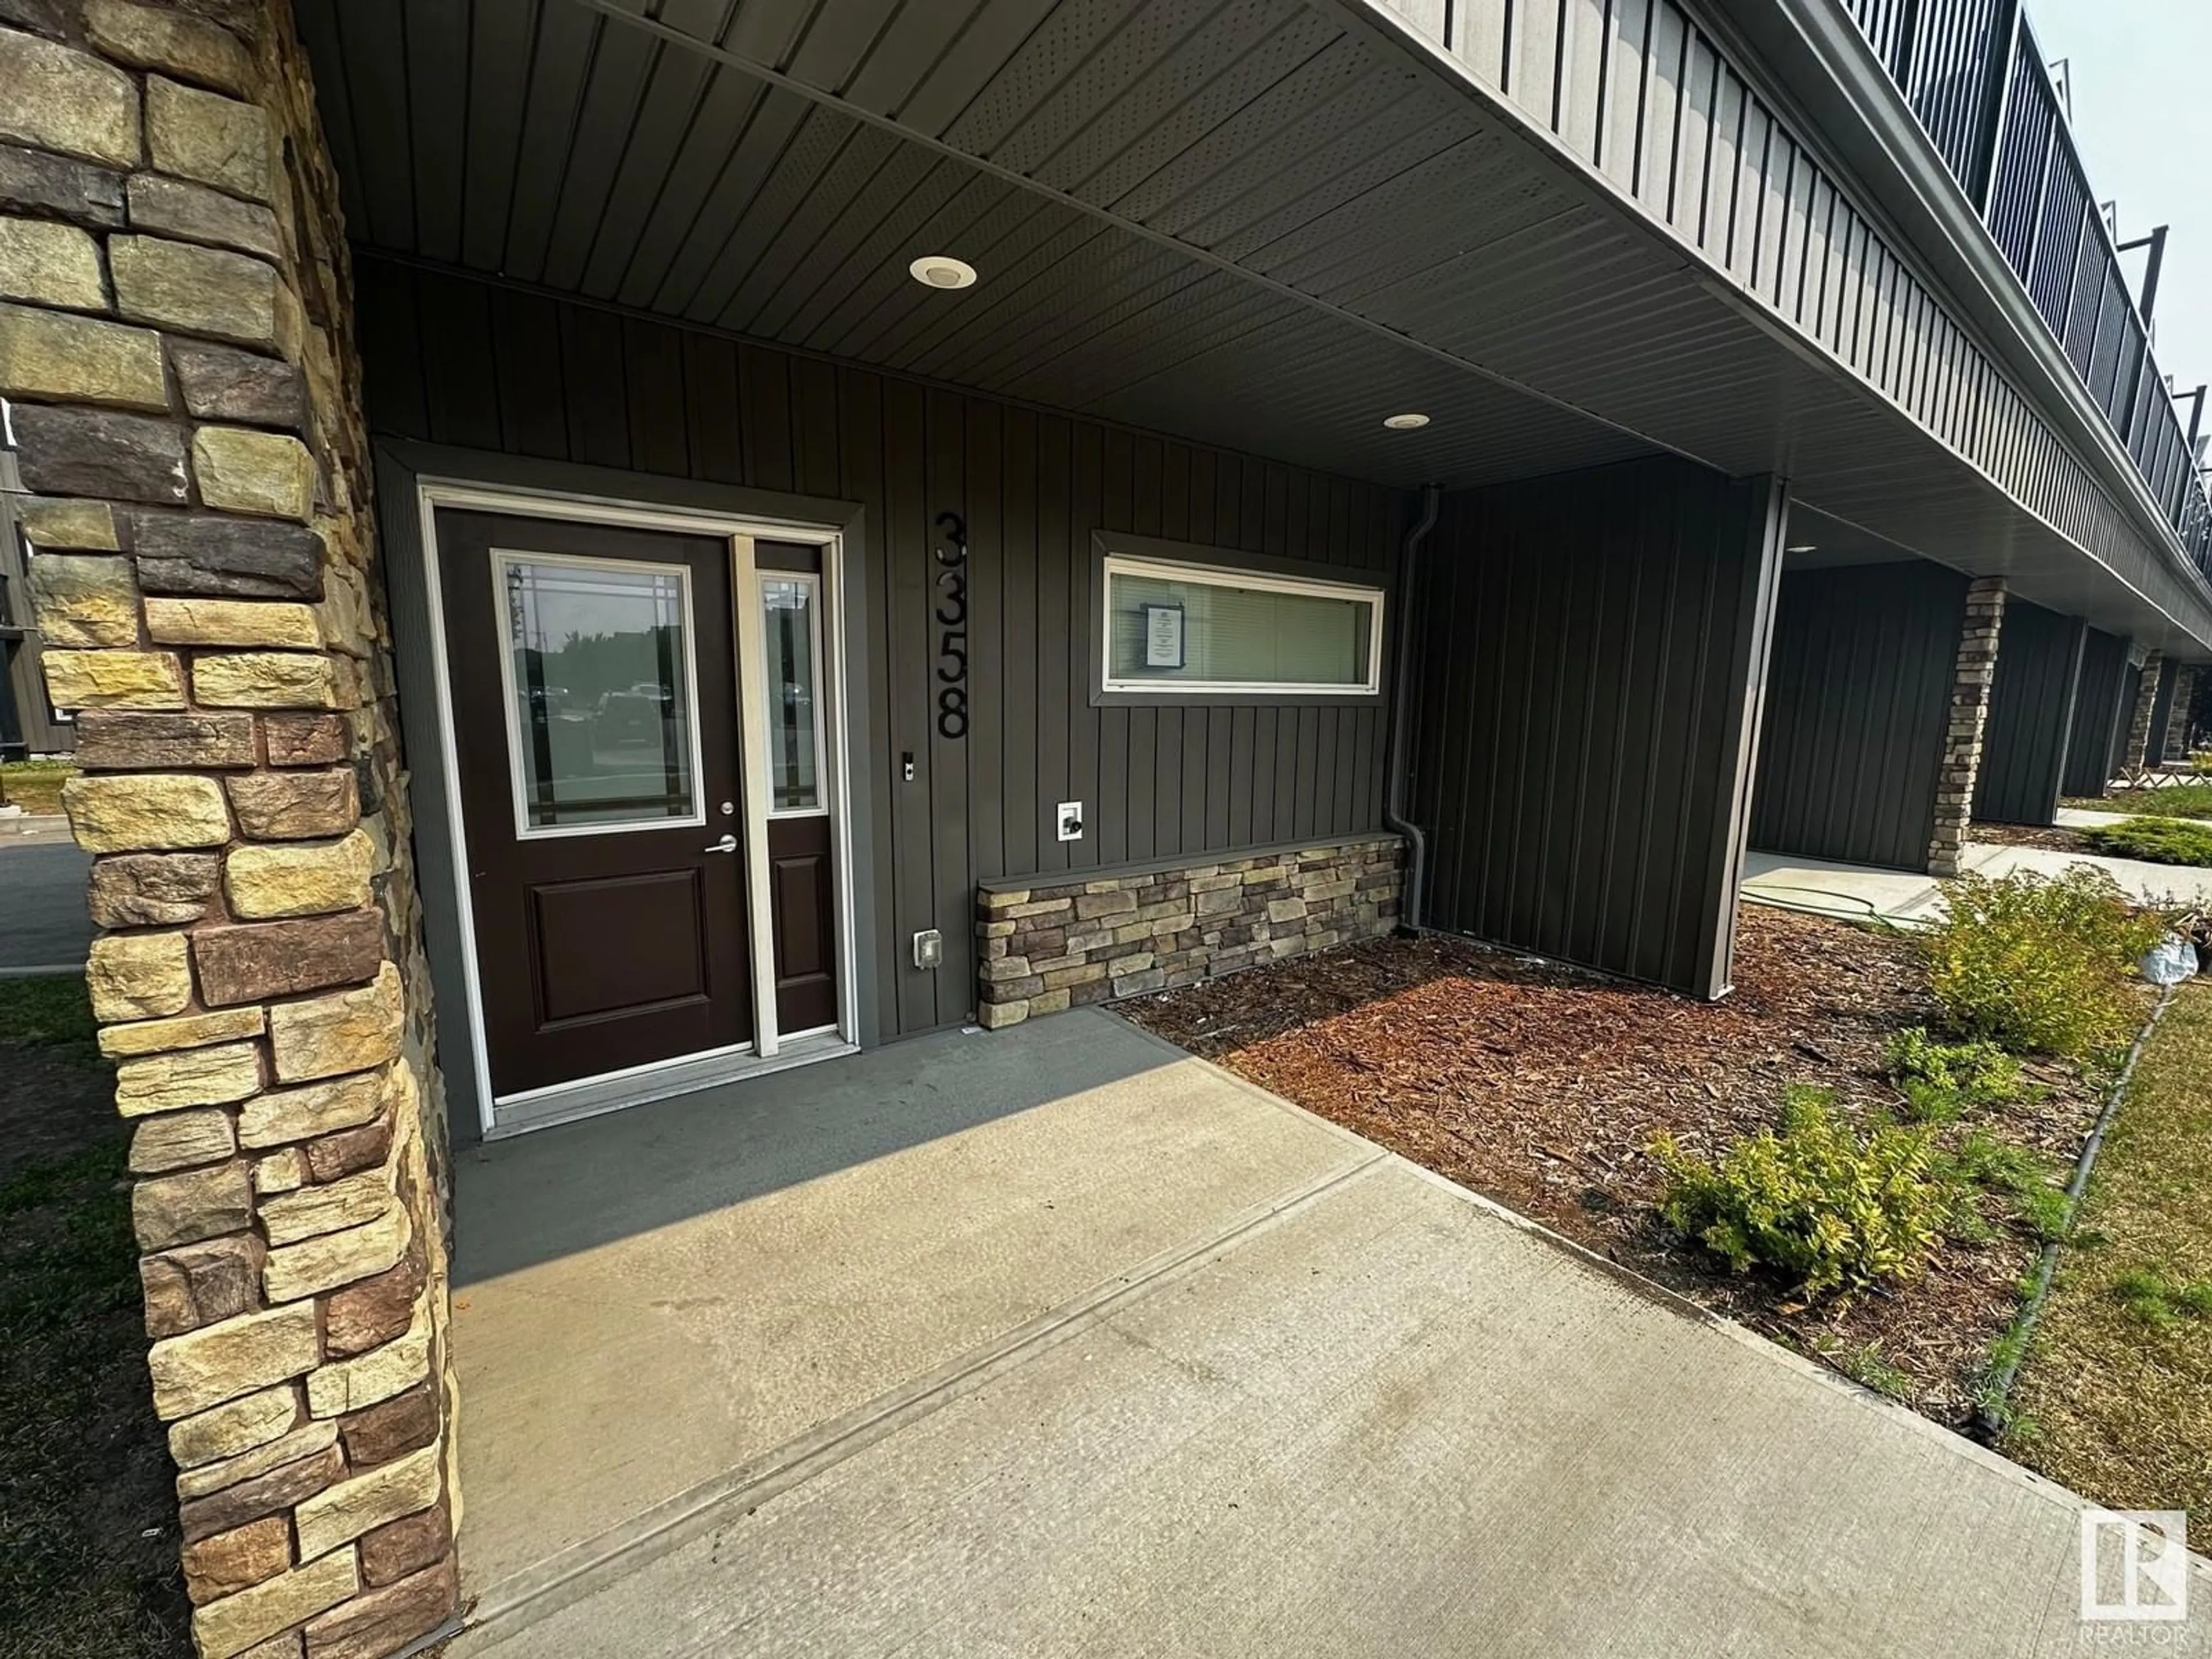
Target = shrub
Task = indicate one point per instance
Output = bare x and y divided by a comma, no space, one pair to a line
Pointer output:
1815,1202
1939,1080
2200,762
2156,841
2030,963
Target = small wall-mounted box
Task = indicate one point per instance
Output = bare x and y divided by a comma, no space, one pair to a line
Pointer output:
929,948
1069,816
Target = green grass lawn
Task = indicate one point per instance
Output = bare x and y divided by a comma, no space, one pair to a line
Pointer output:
34,785
2176,800
88,1518
2156,840
2115,1399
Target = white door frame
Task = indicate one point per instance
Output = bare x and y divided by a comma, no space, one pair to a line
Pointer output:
586,1097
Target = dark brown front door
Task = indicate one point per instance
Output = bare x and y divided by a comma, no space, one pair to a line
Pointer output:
596,719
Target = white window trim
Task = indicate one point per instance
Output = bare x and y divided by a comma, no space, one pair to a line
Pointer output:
1207,575
504,559
811,580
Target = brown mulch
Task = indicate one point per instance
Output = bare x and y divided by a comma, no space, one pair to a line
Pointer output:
1542,1087
2055,838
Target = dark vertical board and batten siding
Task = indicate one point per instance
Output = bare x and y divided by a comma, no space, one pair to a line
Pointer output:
451,360
2091,744
1857,695
1587,694
2131,679
2031,716
2161,707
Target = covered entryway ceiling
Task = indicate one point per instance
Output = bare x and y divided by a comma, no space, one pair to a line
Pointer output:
1260,223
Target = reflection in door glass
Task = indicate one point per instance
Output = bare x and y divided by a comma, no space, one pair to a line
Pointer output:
787,606
599,691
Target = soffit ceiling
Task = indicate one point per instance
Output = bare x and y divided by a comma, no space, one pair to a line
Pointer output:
544,141
1250,222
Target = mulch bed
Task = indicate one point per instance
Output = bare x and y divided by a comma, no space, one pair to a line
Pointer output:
2055,838
1542,1087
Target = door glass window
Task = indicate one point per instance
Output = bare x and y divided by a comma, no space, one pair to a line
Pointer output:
794,692
599,691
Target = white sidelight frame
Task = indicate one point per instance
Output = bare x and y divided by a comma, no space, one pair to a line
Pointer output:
770,1049
1205,575
813,582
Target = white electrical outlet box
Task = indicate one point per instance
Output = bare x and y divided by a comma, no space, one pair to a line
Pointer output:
1071,820
929,948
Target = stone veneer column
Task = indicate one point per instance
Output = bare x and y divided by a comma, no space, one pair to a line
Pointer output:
2174,743
1975,673
182,395
2137,755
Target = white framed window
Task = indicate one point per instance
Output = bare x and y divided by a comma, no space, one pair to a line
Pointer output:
1177,628
791,622
601,683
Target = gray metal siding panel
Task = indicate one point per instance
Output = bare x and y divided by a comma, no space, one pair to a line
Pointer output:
2031,716
453,359
1588,644
2096,712
2162,706
1858,690
2123,722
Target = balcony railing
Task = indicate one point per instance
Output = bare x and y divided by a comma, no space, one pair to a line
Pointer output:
1975,76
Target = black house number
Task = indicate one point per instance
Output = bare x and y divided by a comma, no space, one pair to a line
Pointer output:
950,608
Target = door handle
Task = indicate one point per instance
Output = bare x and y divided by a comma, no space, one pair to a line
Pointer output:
728,844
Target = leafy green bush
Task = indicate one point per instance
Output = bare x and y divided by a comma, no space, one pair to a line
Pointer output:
2036,963
2200,762
1816,1202
2156,841
1939,1080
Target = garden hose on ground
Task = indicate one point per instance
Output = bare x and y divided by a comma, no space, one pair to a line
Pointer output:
1990,1415
1760,890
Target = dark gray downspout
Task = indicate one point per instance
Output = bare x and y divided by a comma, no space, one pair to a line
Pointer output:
1393,799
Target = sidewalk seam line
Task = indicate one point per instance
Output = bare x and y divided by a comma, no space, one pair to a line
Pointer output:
574,1574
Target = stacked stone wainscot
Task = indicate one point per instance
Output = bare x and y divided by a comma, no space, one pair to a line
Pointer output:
183,402
1050,943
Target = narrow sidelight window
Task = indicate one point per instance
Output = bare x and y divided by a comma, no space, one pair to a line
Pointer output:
791,611
1177,628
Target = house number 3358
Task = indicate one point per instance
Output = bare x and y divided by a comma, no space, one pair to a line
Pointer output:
950,608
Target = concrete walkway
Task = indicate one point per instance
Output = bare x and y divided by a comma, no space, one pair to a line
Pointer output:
1909,898
1058,1342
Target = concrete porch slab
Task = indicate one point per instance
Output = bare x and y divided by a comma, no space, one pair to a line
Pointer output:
1861,892
653,1307
1854,892
1392,1421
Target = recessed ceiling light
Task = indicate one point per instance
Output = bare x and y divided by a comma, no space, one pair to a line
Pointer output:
942,270
1408,422
1803,547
